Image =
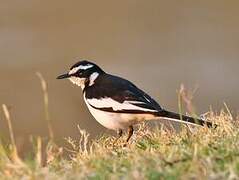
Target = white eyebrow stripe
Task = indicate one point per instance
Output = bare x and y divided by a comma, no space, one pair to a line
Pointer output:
74,70
87,66
83,67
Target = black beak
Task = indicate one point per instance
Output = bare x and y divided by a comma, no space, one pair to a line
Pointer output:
63,76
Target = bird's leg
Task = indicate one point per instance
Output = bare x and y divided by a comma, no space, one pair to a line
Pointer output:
130,133
119,134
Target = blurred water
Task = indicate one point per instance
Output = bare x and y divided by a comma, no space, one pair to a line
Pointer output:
156,44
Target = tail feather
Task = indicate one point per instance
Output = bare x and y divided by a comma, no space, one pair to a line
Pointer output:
183,118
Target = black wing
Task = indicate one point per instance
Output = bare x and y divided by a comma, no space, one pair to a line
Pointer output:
121,90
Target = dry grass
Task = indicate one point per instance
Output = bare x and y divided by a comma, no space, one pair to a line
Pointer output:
46,104
152,154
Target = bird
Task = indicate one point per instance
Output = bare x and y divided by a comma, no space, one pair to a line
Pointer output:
117,103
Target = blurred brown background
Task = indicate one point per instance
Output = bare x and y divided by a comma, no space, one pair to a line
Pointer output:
156,44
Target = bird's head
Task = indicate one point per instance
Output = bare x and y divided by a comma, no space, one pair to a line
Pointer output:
83,73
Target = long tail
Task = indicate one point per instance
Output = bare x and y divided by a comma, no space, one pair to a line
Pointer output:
182,118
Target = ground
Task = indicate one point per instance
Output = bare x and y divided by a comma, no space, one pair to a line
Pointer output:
153,153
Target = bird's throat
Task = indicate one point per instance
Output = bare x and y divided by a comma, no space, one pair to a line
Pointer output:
78,81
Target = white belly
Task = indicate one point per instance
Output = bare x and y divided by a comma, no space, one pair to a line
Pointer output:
117,121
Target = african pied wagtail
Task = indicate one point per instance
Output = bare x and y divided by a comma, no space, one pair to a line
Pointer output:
116,103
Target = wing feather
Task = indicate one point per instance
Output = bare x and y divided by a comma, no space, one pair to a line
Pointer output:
113,93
